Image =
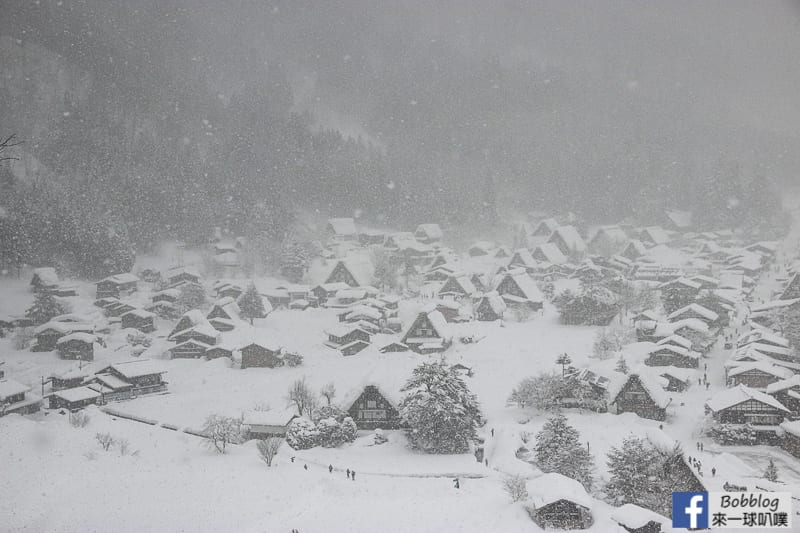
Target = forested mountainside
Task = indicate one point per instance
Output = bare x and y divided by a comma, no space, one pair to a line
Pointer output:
144,120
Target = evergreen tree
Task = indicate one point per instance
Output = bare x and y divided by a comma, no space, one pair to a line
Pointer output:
564,360
44,308
294,262
192,296
441,413
558,449
633,468
622,366
771,473
250,304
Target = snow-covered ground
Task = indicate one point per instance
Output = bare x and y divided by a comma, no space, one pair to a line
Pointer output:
58,478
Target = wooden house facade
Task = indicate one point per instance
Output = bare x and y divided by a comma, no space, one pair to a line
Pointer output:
641,395
258,356
139,319
74,399
78,346
372,410
428,332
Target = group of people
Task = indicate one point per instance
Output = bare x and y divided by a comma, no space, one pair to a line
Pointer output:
351,474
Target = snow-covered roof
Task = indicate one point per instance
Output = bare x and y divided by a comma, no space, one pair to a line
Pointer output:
681,219
495,301
364,311
694,324
177,271
138,368
343,330
550,488
571,237
46,275
634,517
792,428
111,381
736,395
778,386
342,226
192,342
681,281
763,366
172,293
522,256
120,279
9,387
333,287
762,335
706,313
656,233
63,327
775,304
77,394
551,253
78,336
349,293
71,317
361,268
682,374
648,381
431,231
272,417
676,340
140,313
525,283
615,233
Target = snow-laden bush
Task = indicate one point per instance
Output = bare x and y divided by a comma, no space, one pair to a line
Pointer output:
349,429
302,434
380,438
292,358
138,339
515,487
327,411
610,341
330,433
79,419
733,434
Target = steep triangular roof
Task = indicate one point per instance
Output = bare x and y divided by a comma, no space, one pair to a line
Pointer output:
739,394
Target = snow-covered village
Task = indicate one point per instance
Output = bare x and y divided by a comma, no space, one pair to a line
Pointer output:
287,267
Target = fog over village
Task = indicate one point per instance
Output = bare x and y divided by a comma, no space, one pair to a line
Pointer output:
458,266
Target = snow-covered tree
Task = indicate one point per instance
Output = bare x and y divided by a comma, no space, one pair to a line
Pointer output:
385,272
609,341
302,434
633,468
268,449
622,366
192,296
594,305
294,261
301,396
441,413
327,411
558,449
771,473
221,430
787,321
515,487
349,429
328,392
250,304
551,391
330,433
45,307
734,434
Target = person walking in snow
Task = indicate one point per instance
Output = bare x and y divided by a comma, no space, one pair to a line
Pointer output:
492,432
456,484
697,445
348,473
353,475
305,467
487,462
292,458
713,471
707,384
330,469
701,444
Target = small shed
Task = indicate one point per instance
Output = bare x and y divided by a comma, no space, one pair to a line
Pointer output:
260,355
139,319
635,519
77,346
73,399
558,502
271,423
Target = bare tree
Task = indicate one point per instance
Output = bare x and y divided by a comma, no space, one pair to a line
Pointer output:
8,142
105,440
328,392
515,487
301,396
221,431
268,448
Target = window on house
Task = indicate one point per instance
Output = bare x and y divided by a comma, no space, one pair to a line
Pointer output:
371,404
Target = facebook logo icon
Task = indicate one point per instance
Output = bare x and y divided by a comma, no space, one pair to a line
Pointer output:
690,510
